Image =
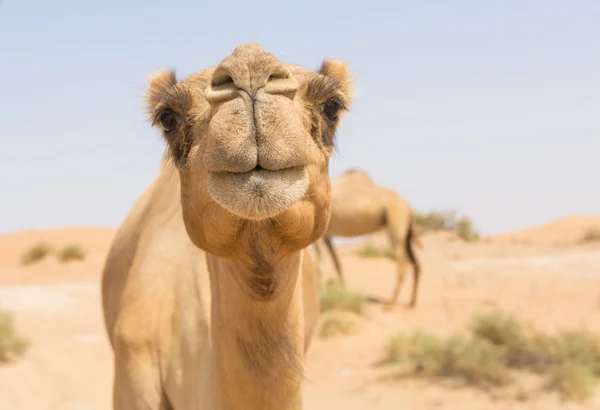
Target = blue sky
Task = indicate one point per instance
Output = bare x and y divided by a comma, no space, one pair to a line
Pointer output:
491,108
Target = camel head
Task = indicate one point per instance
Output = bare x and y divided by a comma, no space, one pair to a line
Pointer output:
251,139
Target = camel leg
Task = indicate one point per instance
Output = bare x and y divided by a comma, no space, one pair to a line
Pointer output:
336,261
398,225
139,392
137,384
414,262
401,263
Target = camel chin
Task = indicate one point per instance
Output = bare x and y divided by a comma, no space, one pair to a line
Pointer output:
258,194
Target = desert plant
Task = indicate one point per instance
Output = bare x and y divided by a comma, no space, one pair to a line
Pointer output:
71,253
36,253
580,347
12,345
464,229
571,381
496,344
419,354
522,345
435,220
591,235
337,323
446,221
334,297
370,250
497,326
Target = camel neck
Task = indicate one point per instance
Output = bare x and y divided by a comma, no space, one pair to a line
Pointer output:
257,327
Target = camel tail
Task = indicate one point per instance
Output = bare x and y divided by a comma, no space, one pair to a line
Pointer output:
413,234
413,238
336,261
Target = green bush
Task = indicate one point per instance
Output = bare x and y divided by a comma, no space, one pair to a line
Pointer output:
446,221
372,251
434,221
419,354
464,229
71,253
591,235
334,297
36,253
499,343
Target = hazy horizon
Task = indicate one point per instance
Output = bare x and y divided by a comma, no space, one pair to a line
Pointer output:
489,109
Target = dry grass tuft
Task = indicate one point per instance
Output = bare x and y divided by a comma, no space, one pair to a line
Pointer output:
591,235
447,221
12,345
474,361
71,253
370,250
36,253
499,344
336,298
337,323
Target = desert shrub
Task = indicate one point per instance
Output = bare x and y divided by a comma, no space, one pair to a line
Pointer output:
420,348
575,365
12,345
371,250
465,231
71,253
571,381
419,354
337,323
497,326
499,343
476,361
591,235
36,253
434,220
523,347
579,347
335,297
446,221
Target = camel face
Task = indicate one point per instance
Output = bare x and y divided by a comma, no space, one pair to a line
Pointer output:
252,138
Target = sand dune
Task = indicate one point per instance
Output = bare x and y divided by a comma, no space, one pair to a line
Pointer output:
562,231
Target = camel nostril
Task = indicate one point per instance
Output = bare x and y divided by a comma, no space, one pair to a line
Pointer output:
221,80
279,75
281,81
222,87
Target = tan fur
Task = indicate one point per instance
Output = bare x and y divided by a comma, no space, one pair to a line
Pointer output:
209,292
360,207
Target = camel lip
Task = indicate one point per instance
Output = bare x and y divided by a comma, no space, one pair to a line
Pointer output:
260,193
259,169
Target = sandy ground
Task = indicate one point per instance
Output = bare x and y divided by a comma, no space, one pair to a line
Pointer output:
539,273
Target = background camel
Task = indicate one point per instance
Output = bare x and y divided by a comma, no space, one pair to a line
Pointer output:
209,293
360,207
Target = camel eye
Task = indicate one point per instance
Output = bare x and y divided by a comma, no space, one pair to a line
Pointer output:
331,109
168,120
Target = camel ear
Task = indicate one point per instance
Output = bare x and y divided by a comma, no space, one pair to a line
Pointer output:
338,71
158,85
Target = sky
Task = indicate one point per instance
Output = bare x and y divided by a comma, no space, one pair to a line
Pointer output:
489,108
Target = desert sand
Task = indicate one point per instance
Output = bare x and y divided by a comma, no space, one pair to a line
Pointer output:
542,274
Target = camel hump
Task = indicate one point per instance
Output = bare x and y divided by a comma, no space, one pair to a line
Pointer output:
352,181
355,171
356,175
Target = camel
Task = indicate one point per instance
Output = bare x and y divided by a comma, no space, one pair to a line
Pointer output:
209,294
360,207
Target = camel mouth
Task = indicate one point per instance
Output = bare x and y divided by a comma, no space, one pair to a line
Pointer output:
260,193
